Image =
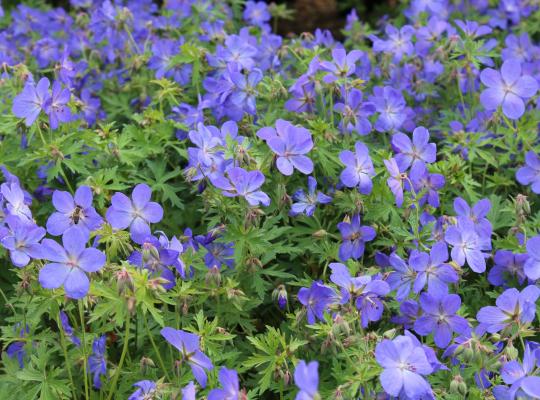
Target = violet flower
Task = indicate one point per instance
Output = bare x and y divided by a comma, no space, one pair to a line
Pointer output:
290,143
440,317
189,347
423,180
145,390
354,112
354,237
317,299
74,210
401,278
136,213
468,245
342,65
404,365
511,306
432,269
305,203
68,330
189,391
231,386
246,184
56,105
477,215
358,168
22,240
256,13
507,88
70,263
16,203
306,378
417,150
507,265
396,179
532,265
391,106
520,377
97,362
530,173
31,101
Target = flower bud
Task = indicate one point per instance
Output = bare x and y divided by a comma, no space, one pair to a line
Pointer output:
145,363
340,326
213,276
389,334
321,233
511,352
124,281
458,386
280,294
131,304
468,355
287,378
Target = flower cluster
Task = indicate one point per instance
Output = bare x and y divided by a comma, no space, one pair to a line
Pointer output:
194,206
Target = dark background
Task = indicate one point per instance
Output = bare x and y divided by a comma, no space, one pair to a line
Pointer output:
308,15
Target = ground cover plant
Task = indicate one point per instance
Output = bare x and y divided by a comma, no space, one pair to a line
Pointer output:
194,207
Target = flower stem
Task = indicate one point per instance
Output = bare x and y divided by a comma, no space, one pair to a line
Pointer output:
64,349
83,330
122,357
156,350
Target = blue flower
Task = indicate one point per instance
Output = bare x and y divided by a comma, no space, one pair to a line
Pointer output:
305,203
188,345
355,237
306,378
97,362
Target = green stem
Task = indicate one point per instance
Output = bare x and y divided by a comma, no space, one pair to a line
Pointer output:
158,354
8,304
41,135
64,349
83,330
122,357
66,179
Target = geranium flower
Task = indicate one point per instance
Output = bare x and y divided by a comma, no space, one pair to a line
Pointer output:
74,210
404,365
188,345
70,263
507,88
306,378
136,213
31,101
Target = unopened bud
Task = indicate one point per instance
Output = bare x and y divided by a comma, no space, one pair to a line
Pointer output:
280,294
145,363
156,284
124,281
287,378
321,233
389,334
341,326
511,352
131,304
458,386
213,276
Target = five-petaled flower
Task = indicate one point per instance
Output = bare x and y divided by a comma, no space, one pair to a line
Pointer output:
355,237
358,168
70,263
136,213
189,347
74,210
507,88
404,364
290,143
246,184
